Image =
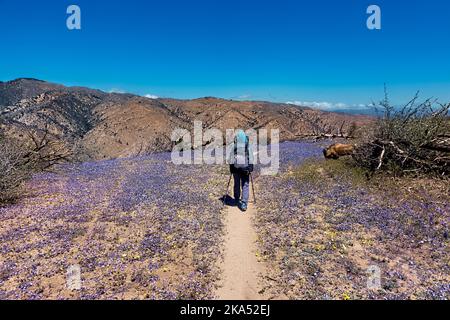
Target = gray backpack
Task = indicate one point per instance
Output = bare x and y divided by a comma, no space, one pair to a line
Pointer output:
241,160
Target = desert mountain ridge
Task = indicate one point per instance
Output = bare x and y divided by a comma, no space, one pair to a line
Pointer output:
99,125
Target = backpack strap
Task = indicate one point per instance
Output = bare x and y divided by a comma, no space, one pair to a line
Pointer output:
247,148
247,142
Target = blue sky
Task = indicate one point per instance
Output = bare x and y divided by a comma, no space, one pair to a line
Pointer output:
314,51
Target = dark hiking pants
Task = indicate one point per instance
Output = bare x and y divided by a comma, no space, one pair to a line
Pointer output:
241,181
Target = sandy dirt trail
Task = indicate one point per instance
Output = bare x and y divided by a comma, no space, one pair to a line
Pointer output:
241,271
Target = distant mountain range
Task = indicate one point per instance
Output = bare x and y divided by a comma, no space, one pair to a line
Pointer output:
356,111
102,125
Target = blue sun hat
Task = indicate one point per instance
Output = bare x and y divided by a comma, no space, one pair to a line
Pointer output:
241,137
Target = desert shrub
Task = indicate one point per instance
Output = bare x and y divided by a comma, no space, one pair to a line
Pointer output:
411,139
15,168
20,159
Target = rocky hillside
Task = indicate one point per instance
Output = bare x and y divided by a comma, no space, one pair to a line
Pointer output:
107,125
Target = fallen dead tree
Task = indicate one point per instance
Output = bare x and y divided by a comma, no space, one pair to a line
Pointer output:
412,139
325,130
338,150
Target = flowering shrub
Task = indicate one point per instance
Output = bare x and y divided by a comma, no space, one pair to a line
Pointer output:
144,228
139,228
322,225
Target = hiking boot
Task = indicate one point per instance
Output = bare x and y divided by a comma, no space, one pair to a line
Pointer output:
243,206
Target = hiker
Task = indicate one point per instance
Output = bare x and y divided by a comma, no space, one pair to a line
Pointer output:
241,166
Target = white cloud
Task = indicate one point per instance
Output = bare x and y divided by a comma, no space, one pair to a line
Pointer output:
151,96
319,104
115,90
325,105
242,97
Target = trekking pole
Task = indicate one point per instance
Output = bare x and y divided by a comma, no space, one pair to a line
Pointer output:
228,187
253,188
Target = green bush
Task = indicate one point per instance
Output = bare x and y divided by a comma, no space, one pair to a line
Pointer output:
315,171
